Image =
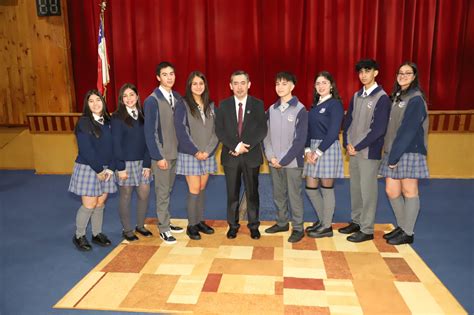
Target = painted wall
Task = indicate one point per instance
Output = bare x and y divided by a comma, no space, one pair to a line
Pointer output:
449,155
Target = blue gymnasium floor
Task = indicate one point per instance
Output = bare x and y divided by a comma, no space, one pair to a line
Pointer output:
39,263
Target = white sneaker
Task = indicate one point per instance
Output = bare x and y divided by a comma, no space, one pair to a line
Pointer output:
176,229
168,238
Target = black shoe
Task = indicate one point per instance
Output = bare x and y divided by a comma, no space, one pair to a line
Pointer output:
276,228
168,238
129,236
321,232
313,227
393,233
176,229
401,238
204,228
255,234
359,237
351,228
101,239
82,243
193,232
143,231
295,236
232,233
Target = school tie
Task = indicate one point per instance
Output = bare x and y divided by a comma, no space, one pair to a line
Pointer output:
101,120
364,94
239,119
171,101
134,114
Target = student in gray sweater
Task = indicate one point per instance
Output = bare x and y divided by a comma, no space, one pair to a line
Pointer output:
197,143
284,149
162,144
364,128
405,149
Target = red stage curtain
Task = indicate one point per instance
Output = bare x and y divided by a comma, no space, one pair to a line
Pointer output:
267,36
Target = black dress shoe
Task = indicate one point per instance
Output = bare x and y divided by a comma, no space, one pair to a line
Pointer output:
359,237
204,228
101,239
176,229
391,234
193,232
313,227
351,228
401,238
255,234
143,231
296,236
276,228
129,236
81,243
232,233
321,232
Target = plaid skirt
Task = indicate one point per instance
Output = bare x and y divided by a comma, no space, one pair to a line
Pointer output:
411,165
135,174
329,165
84,182
189,165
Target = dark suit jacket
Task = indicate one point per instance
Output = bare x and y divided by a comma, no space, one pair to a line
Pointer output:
254,130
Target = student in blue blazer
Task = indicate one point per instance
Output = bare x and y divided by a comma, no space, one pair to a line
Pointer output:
93,176
405,152
197,143
132,160
323,153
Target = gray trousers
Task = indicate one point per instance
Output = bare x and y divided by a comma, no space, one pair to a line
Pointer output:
288,196
164,181
364,191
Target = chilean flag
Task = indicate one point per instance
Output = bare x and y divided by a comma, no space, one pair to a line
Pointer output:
103,77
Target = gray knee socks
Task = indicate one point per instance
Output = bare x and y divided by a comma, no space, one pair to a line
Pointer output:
329,203
82,218
317,201
193,218
398,206
200,205
412,208
96,220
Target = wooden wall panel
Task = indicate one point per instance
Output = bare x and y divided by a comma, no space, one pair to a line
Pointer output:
35,72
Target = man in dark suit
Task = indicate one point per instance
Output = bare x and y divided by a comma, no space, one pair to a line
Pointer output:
241,127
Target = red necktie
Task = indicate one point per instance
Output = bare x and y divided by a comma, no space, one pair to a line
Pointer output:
239,119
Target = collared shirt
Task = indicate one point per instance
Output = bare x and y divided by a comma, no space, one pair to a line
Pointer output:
167,94
370,90
98,118
237,101
324,99
129,110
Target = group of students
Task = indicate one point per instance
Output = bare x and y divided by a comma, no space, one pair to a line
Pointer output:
179,135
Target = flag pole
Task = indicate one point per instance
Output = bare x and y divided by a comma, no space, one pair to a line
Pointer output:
103,69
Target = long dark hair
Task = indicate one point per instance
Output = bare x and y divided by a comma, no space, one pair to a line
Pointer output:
193,106
334,91
397,89
121,112
93,126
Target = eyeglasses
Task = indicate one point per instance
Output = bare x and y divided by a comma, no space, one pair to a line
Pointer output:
401,74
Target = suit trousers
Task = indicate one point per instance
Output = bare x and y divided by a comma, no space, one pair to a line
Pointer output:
364,191
233,177
288,196
164,181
